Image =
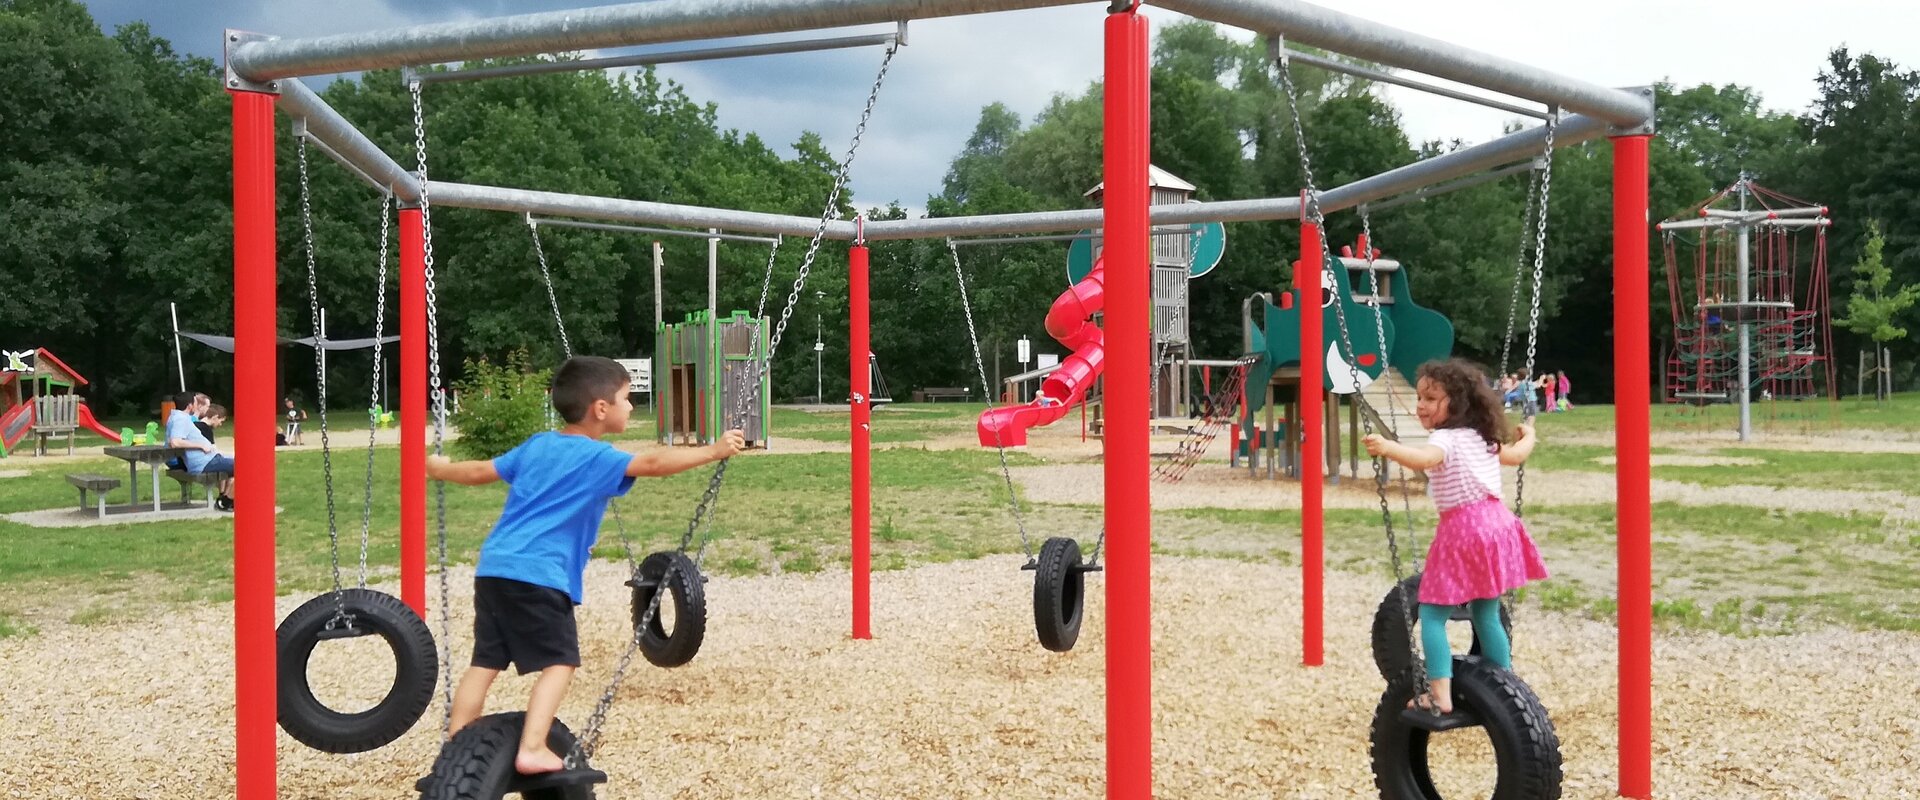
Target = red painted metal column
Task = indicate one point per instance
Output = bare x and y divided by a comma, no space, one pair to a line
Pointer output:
1129,509
255,350
413,411
858,351
1306,277
1631,420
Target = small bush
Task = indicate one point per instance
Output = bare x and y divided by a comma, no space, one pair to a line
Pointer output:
500,406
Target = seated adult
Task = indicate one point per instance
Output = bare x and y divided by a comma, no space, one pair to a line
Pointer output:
201,456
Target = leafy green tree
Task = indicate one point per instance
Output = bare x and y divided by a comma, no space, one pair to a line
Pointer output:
1875,307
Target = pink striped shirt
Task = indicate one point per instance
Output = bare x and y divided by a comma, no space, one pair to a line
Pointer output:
1469,471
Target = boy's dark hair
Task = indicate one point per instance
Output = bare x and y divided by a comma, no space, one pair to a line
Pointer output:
584,379
1471,403
184,400
217,410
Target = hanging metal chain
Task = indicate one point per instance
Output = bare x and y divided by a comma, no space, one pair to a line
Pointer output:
986,391
1386,367
553,300
766,280
340,615
1519,269
1533,318
439,410
1311,213
589,739
373,401
833,200
799,282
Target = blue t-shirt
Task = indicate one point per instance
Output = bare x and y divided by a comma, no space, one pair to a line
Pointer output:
557,491
180,426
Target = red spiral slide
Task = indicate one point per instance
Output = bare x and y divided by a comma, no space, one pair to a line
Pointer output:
1070,321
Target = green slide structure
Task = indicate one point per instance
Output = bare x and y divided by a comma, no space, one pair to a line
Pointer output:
1413,334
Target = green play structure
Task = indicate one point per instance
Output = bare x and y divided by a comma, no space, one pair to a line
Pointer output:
701,368
1413,335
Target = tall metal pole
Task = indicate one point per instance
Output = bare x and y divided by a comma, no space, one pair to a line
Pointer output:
1741,240
255,350
179,364
413,410
1632,417
713,281
1313,457
862,438
658,320
319,351
819,394
1127,131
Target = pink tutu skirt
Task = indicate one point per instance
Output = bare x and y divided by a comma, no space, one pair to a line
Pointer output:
1480,551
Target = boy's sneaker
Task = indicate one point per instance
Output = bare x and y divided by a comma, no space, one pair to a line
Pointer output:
223,502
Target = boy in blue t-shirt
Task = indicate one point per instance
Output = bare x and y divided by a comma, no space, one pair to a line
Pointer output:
532,564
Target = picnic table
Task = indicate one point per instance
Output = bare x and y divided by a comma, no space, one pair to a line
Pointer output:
155,456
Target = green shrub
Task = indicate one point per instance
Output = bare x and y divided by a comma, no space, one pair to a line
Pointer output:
500,406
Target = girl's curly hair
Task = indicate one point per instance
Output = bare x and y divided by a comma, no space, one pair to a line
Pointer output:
1471,403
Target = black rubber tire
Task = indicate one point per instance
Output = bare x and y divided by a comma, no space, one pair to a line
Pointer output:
688,594
1059,594
1525,746
477,763
1392,652
416,666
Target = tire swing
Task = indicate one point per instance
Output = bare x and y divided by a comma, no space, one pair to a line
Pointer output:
1059,573
350,613
1392,653
669,568
683,582
477,764
1527,750
1059,593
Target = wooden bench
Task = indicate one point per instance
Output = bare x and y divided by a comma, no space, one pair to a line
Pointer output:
99,485
934,394
187,480
54,415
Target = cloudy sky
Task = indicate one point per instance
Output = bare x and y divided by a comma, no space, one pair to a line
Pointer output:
954,66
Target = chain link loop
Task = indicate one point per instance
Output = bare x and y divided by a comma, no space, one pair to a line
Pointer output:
1519,267
373,402
559,322
589,738
1311,213
1533,319
439,409
986,391
340,615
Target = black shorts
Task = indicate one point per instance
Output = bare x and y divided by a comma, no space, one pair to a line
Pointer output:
529,626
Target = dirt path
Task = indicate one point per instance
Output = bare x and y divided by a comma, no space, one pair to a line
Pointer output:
954,700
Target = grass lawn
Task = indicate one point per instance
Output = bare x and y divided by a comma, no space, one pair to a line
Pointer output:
1743,568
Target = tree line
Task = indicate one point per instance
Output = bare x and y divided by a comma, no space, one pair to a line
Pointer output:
117,185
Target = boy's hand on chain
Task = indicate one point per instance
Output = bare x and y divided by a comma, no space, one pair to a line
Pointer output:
730,444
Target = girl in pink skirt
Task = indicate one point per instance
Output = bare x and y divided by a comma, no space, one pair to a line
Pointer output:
1481,549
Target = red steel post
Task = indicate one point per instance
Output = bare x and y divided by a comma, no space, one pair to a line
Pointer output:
1128,511
413,411
1306,277
255,351
862,413
1632,420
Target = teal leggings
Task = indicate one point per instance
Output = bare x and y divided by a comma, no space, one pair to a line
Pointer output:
1486,625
